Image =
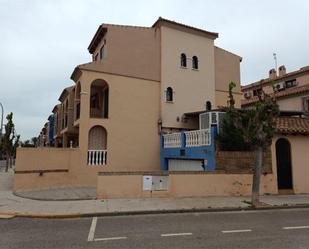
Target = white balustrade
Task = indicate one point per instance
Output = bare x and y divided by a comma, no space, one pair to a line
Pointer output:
97,157
172,140
197,138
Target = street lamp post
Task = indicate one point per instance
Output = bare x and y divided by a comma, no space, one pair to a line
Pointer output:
1,120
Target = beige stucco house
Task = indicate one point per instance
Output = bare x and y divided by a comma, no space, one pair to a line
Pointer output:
142,84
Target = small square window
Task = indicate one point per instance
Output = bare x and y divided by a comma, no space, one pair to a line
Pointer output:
290,83
257,92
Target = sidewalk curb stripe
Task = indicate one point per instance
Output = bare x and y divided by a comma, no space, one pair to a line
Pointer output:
175,234
299,227
237,231
112,238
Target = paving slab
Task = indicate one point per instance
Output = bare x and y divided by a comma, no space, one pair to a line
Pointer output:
289,200
67,193
6,180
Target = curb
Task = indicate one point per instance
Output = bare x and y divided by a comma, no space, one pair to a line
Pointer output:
145,212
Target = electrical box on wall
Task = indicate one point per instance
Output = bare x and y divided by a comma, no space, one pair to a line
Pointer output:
147,182
156,183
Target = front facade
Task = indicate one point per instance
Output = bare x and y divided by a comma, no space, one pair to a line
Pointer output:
142,83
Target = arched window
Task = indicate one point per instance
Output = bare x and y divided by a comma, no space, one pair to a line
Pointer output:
208,106
97,146
183,60
194,62
169,94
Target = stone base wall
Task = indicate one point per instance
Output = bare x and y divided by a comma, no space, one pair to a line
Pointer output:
242,161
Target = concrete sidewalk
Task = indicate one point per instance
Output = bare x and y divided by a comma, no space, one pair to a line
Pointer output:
11,205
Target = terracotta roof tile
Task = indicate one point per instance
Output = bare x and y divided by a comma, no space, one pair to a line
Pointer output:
287,92
292,125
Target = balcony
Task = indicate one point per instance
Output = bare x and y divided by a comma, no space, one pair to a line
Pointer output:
189,146
97,113
187,139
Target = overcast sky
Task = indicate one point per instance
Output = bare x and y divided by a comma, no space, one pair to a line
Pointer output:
41,41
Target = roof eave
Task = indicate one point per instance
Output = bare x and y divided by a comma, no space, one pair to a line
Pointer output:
101,31
161,21
76,74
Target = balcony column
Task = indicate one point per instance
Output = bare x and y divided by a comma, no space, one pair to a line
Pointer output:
84,119
163,160
64,140
183,139
211,158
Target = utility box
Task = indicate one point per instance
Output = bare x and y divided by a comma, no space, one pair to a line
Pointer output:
147,182
156,183
160,183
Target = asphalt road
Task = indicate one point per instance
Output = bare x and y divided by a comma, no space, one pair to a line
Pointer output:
245,229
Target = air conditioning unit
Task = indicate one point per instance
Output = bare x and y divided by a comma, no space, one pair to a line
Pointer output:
279,86
209,119
247,94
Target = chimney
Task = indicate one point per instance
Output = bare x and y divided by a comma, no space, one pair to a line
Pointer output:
272,74
282,70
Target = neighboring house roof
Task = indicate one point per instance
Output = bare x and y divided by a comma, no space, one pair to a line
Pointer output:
266,81
50,117
56,107
292,125
65,93
287,92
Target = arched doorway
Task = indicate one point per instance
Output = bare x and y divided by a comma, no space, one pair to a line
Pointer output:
97,144
284,164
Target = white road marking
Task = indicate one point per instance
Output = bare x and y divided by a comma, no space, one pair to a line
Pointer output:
92,229
112,238
175,234
299,227
237,231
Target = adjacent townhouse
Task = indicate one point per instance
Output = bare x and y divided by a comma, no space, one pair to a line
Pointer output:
292,90
291,143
